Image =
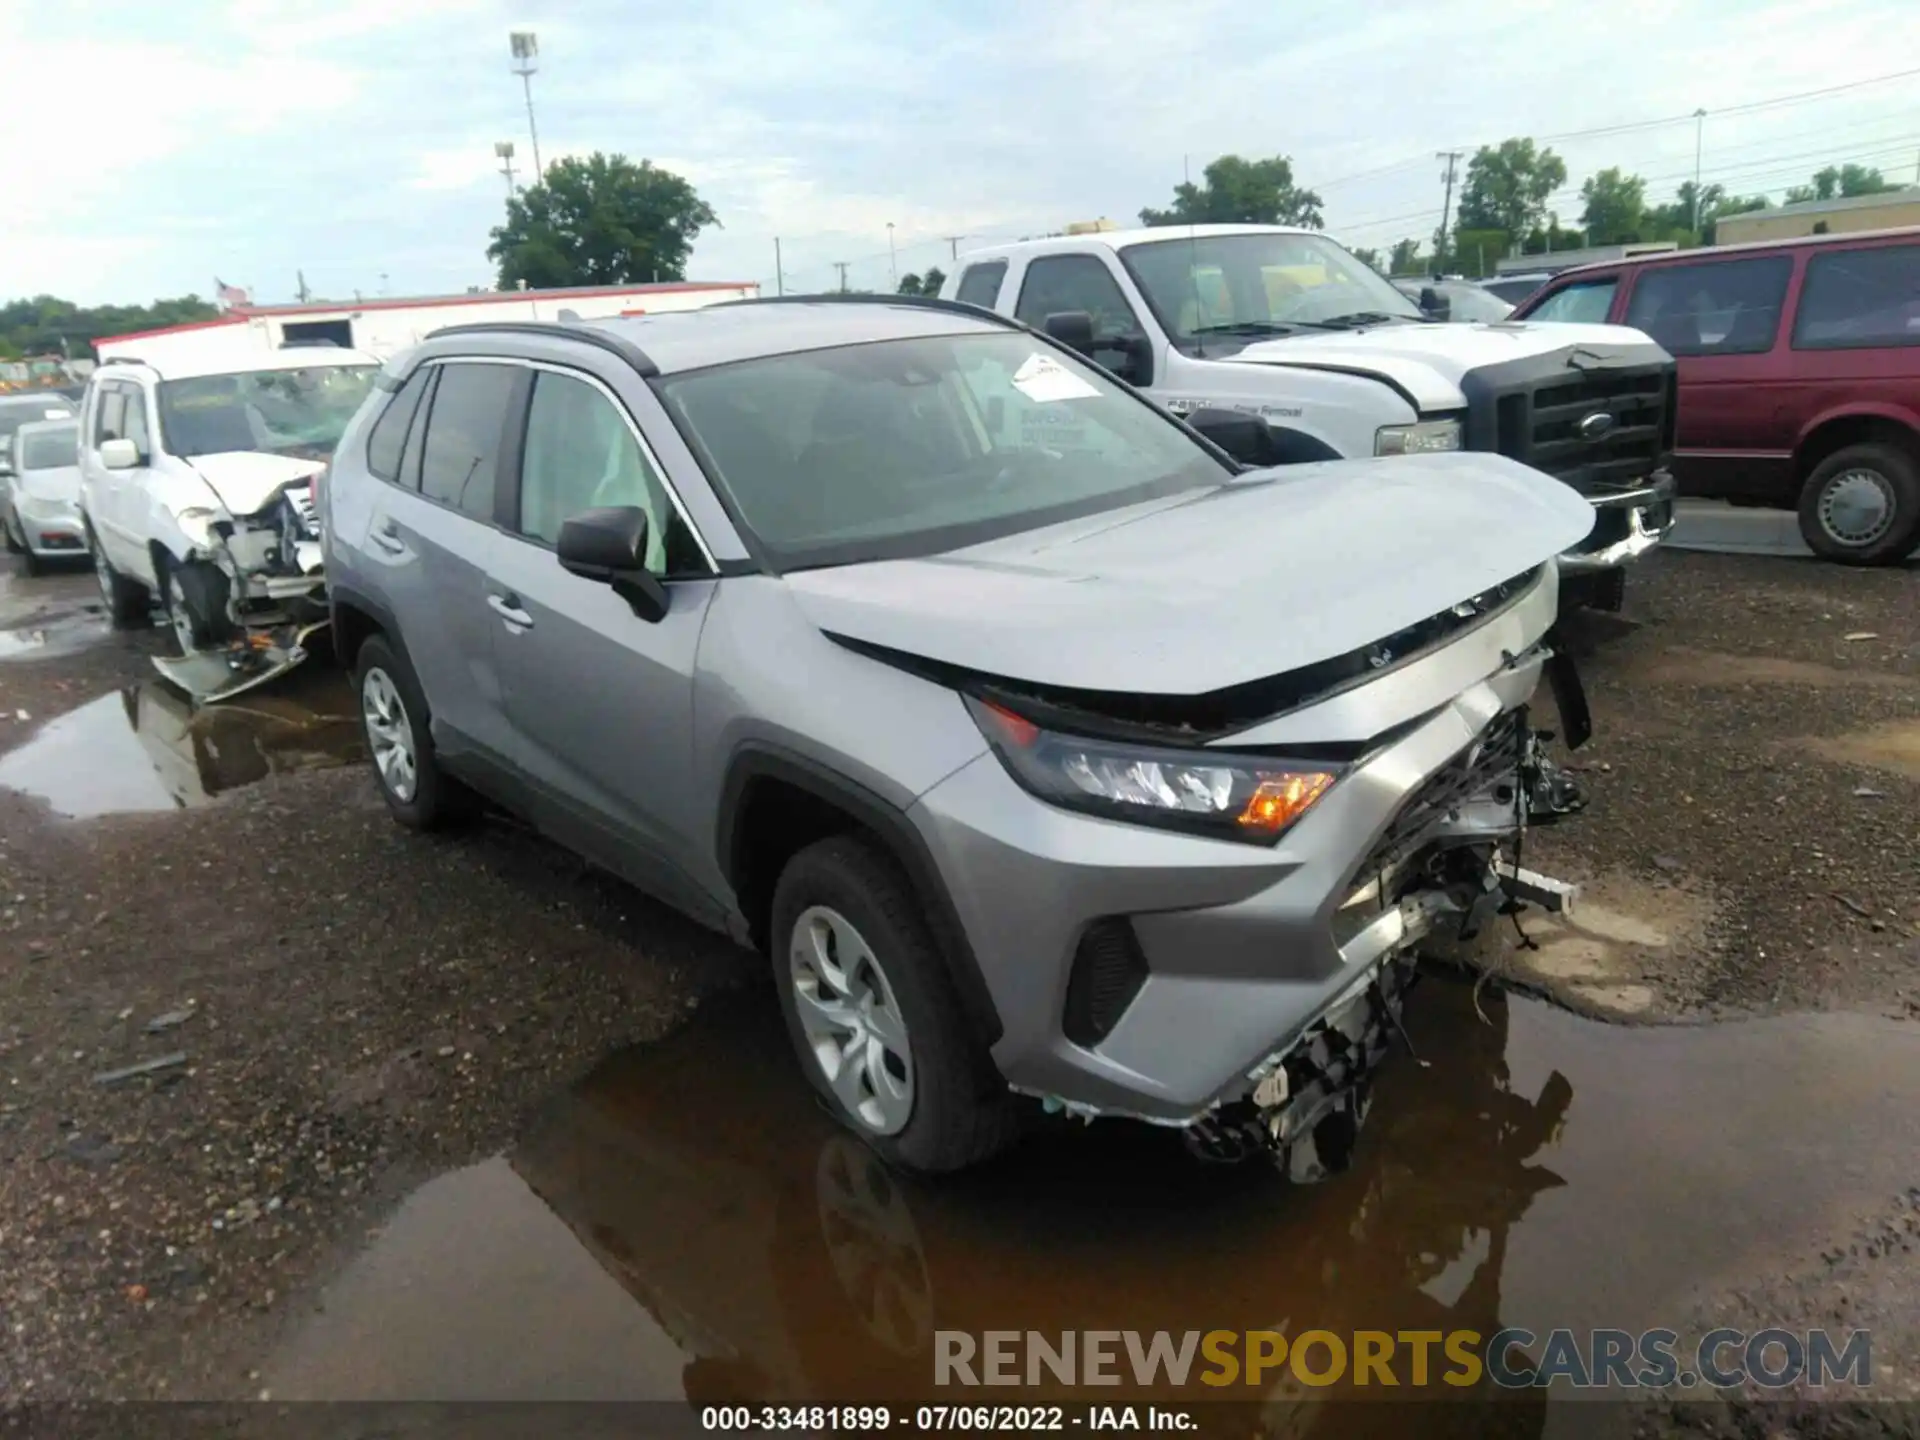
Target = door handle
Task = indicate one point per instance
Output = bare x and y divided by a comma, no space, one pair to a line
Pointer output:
385,537
507,607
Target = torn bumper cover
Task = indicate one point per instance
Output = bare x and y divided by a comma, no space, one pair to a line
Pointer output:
1443,869
276,595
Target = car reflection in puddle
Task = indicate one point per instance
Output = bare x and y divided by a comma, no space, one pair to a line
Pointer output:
147,748
687,1224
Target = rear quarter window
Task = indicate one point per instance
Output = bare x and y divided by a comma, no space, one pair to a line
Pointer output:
1860,299
1714,307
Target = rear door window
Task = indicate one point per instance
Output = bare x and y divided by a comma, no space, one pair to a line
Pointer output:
980,284
461,454
389,434
1716,307
1858,299
1587,303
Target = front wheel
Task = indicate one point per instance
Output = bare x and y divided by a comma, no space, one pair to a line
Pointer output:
873,1015
195,596
1861,505
395,725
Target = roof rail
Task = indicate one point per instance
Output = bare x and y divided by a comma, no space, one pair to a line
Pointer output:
593,335
844,297
123,360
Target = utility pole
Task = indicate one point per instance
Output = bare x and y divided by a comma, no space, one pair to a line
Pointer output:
504,149
953,244
526,60
1452,157
1699,133
841,266
302,292
779,275
893,259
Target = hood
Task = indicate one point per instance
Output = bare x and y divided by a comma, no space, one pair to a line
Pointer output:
1428,361
246,480
1271,572
56,482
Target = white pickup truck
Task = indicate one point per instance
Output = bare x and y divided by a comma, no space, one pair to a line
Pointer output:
1287,325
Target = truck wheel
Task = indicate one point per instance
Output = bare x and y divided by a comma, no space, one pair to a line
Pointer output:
872,1013
128,604
1861,505
397,727
195,597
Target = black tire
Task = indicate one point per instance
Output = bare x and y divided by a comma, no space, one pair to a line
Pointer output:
35,564
436,799
1606,590
129,607
961,1113
198,612
1890,468
7,522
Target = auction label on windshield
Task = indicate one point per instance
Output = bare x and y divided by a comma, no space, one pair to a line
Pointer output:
1043,380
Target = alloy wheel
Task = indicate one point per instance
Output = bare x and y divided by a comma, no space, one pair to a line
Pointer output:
852,1021
102,570
177,615
389,735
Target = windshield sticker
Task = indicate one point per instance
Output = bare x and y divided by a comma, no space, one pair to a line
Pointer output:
1044,380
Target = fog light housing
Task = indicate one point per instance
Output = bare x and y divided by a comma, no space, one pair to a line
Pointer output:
1108,970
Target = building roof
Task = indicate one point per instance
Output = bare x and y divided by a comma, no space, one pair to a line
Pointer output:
1908,196
488,297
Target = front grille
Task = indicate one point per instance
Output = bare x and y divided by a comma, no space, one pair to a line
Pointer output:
1493,756
1542,426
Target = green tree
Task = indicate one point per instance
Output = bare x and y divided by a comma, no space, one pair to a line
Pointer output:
1839,182
1242,192
1616,206
1405,258
1368,257
928,284
599,221
1507,187
48,325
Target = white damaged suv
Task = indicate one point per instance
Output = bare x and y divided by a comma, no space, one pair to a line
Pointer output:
197,486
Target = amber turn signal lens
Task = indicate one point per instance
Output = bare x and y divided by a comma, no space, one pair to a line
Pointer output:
1279,800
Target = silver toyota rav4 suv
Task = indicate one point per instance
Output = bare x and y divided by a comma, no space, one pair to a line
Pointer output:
1044,747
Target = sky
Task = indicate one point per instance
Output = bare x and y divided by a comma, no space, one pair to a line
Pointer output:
150,149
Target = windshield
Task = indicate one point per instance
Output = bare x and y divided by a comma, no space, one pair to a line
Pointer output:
913,447
50,449
287,412
1258,284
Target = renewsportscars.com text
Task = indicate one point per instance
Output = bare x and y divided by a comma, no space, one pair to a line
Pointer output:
1512,1358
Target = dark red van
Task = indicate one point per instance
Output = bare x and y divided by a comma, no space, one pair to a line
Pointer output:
1799,375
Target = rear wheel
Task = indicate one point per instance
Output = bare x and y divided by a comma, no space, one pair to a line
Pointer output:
8,522
1861,505
195,597
873,1015
127,602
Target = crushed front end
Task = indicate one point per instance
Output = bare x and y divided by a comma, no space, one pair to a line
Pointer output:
1245,994
276,593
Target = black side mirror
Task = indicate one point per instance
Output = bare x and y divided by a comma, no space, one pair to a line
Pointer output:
1245,437
1073,329
1433,303
610,545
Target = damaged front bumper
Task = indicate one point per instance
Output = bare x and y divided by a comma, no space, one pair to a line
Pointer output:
1626,525
276,594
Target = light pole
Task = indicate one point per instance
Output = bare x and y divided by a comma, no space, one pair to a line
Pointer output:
504,150
1699,131
526,60
893,260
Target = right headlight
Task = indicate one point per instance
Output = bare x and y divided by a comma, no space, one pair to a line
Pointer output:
1250,798
1426,437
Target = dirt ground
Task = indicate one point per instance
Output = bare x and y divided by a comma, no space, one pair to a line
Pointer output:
359,1008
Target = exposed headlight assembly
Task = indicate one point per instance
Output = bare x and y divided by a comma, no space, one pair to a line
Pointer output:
1250,798
1427,437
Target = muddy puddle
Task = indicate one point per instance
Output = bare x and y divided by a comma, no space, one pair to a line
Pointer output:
147,748
687,1224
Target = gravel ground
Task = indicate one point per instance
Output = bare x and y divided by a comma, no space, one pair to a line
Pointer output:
366,1007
